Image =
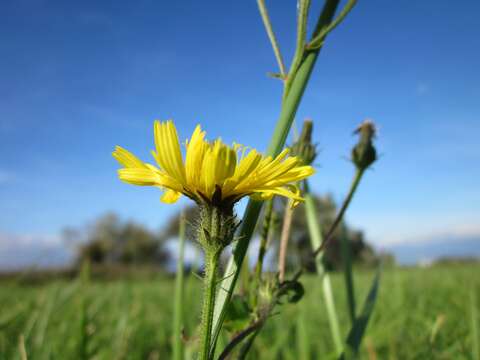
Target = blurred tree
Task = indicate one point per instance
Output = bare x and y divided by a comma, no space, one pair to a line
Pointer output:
300,249
171,229
112,241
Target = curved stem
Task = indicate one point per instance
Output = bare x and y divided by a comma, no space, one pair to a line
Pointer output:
211,265
338,219
239,338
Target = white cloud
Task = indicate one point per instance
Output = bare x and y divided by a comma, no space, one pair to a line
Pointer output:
12,241
19,251
384,230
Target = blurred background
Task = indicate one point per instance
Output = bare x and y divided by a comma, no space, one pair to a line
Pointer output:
78,78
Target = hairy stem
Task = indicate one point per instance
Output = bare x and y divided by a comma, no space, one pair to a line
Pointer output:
178,305
210,280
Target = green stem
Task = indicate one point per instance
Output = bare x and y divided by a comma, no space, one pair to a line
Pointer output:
178,304
320,37
266,230
346,203
285,236
316,239
282,128
210,280
348,273
302,19
248,344
475,333
314,228
271,36
265,238
85,280
332,314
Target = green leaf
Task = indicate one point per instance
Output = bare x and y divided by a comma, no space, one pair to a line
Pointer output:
238,314
357,331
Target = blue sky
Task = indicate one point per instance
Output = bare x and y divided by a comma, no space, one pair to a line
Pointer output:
78,78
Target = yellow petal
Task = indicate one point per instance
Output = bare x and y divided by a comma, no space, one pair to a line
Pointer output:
148,176
211,165
269,192
168,155
194,158
126,158
139,176
170,196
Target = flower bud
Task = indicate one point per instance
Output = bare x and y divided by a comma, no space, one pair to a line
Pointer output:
364,153
303,148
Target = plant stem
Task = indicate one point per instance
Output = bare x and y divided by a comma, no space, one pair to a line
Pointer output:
264,237
210,282
348,273
271,35
282,256
21,347
339,217
282,128
178,302
238,338
302,19
314,229
248,344
474,330
332,314
84,280
317,41
316,239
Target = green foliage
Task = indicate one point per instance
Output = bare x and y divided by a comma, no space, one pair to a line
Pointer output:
238,314
132,320
112,241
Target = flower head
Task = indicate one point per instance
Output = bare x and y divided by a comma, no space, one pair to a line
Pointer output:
212,172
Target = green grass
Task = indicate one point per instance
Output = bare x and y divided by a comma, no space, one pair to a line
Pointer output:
420,314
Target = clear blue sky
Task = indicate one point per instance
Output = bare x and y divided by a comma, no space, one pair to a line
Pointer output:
78,78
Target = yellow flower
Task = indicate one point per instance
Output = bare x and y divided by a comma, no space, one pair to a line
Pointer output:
212,172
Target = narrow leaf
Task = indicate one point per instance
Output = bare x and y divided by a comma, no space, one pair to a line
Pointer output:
357,331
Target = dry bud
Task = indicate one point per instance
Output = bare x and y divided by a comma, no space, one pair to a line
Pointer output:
364,153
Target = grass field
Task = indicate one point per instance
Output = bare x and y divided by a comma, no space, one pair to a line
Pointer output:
427,313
